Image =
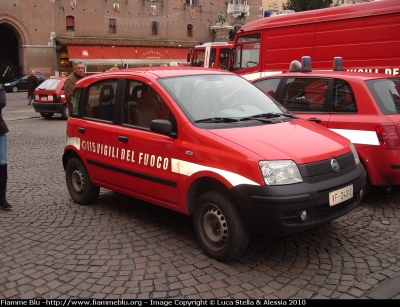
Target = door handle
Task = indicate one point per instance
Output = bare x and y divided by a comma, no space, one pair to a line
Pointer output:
314,119
82,130
123,139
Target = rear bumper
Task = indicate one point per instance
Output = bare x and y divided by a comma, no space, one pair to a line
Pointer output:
52,107
383,165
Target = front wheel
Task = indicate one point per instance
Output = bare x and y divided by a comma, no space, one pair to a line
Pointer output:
79,185
64,112
15,89
219,226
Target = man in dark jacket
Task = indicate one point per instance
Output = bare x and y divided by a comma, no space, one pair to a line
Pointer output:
32,82
69,85
3,154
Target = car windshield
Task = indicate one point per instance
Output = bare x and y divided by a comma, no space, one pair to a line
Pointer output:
221,98
387,94
49,84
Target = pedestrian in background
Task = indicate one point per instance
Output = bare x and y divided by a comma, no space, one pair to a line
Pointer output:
69,85
3,153
32,83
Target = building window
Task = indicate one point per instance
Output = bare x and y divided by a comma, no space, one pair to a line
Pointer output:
70,21
242,2
112,26
154,27
191,2
189,28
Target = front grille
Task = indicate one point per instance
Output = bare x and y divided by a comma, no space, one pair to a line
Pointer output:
324,167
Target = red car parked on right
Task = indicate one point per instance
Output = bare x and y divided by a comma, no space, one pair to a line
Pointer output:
363,107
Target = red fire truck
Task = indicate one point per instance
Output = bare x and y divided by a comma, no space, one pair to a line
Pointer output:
211,55
365,35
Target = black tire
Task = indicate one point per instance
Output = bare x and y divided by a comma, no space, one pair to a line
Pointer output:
79,185
64,112
219,226
14,89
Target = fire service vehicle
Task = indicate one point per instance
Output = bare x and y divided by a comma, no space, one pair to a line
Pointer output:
210,145
366,35
365,108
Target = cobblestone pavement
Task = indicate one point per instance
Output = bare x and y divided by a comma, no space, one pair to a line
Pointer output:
120,247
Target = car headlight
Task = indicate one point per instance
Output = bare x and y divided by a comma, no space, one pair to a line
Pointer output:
280,172
6,84
355,154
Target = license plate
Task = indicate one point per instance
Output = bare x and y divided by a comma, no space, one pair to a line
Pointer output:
341,195
44,98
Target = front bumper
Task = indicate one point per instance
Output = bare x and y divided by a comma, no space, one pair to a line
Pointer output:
275,210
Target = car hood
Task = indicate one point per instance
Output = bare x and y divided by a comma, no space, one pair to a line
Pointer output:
11,82
298,140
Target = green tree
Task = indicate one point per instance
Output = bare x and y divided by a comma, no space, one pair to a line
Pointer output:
306,5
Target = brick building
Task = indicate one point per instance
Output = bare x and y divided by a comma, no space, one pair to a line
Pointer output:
46,35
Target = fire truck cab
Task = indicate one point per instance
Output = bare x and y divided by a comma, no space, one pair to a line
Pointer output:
211,55
365,35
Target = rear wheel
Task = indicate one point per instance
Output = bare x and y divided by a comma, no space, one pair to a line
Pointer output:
79,185
64,112
15,89
219,226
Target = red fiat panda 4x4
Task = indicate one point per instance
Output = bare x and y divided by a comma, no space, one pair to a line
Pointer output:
209,144
363,107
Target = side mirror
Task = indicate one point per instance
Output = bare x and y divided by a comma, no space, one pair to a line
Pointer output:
162,126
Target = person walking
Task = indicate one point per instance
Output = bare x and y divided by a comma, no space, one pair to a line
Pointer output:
32,83
69,85
3,153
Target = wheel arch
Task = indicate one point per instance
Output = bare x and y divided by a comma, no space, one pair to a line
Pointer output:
69,154
203,184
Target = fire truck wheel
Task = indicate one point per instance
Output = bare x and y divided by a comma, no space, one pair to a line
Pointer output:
219,227
79,186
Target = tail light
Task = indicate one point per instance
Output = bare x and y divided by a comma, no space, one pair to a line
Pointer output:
389,137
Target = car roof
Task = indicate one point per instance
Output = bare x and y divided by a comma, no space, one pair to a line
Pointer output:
153,73
58,78
311,17
331,74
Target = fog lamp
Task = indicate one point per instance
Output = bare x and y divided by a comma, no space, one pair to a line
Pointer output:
303,216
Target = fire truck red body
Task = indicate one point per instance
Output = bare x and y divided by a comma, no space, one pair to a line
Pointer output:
365,35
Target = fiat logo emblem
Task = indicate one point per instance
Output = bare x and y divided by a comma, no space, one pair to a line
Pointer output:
335,165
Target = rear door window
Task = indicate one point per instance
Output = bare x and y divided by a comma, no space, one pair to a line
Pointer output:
100,102
304,94
343,99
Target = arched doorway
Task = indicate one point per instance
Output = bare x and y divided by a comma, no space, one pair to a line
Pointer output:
9,54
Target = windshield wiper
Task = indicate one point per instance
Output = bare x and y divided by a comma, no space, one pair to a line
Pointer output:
260,117
217,120
273,115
